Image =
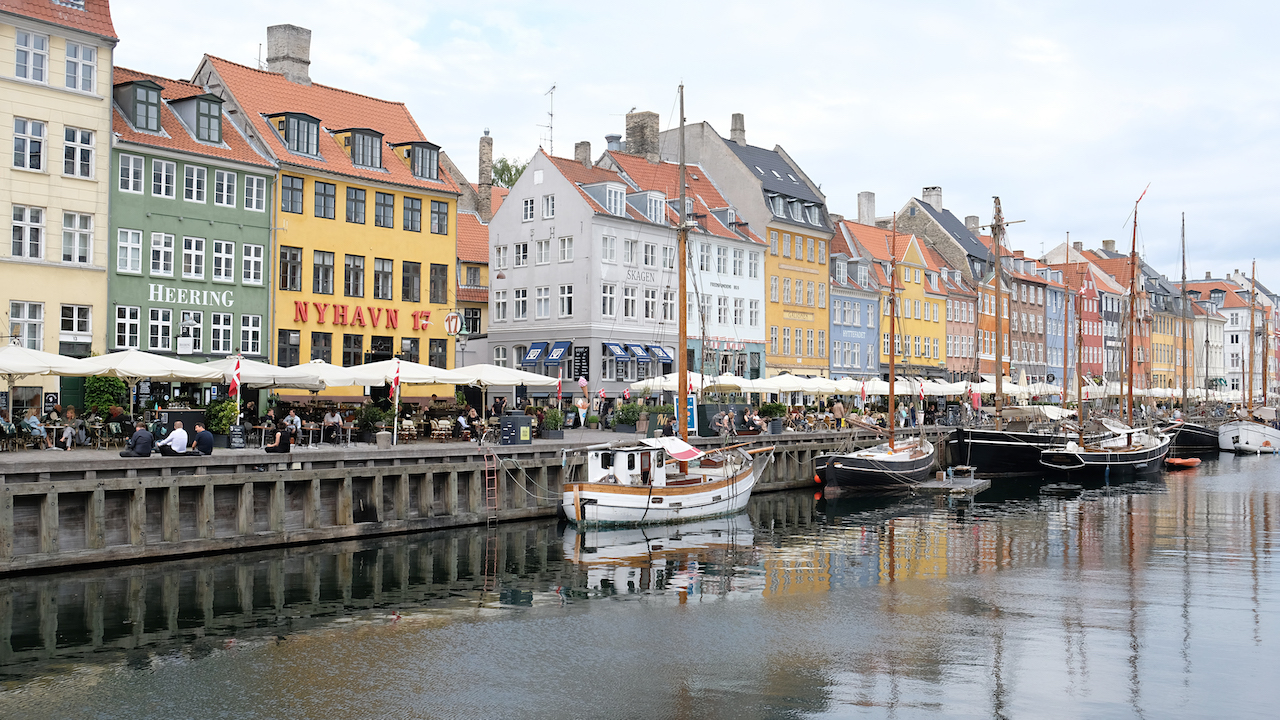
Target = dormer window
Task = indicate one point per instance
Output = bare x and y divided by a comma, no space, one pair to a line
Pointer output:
776,205
812,212
146,106
842,271
209,120
366,149
426,162
300,132
656,208
615,199
794,209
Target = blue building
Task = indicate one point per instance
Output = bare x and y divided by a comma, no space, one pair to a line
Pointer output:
1057,315
854,309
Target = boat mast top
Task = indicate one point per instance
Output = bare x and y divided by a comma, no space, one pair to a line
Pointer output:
997,244
1252,299
682,242
1133,301
892,242
1186,359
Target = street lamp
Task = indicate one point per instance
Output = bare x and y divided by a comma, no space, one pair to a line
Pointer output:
186,343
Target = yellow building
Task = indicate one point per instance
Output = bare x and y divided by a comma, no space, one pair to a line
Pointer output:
55,61
919,329
796,313
1166,350
365,225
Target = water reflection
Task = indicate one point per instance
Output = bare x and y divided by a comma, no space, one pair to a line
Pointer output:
1146,599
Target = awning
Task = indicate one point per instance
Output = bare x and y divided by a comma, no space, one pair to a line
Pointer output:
638,351
535,351
556,354
660,354
618,352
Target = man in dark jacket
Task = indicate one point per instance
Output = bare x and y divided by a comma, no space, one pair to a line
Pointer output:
203,441
140,444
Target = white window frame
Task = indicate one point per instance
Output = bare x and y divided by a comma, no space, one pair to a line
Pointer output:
251,334
128,326
566,301
753,313
222,269
649,255
255,193
739,258
608,248
500,355
159,329
193,258
722,260
668,257
164,179
608,299
629,251
77,238
542,302
197,332
31,56
131,171
80,144
629,301
527,210
520,298
129,251
165,250
542,252
251,257
548,206
224,188
499,305
195,183
500,257
28,229
566,249
221,333
26,320
650,304
521,253
82,71
615,200
668,305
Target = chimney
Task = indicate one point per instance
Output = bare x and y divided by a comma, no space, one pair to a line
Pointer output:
866,208
933,196
289,52
642,135
1078,246
971,223
1109,245
738,129
1208,275
485,179
613,142
582,153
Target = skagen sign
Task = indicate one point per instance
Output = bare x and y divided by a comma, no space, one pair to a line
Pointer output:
189,296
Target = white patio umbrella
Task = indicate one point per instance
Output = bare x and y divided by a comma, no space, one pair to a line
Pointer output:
849,386
336,376
670,383
132,366
484,375
260,374
783,384
411,373
17,362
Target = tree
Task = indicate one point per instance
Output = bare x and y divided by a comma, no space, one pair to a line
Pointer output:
507,172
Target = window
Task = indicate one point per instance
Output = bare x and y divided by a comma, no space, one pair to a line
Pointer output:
162,254
164,179
384,210
26,321
822,252
650,304
738,308
822,295
656,208
754,316
439,283
786,245
322,346
194,180
542,252
608,293
521,254
614,198
383,270
77,238
437,352
411,281
290,267
542,302
722,259
251,264
77,152
668,304
255,193
521,298
326,199
722,310
413,214
650,255
128,327
366,150
129,251
322,272
355,205
302,134
426,161
192,321
160,329
822,343
628,302
668,257
353,276
808,253
193,258
471,320
146,108
608,249
28,232
224,259
130,171
773,245
221,331
773,339
704,257
808,293
32,58
786,341
251,334
224,188
439,217
548,206
500,356
786,290
500,305
629,252
566,249
566,301
528,210
773,288
209,121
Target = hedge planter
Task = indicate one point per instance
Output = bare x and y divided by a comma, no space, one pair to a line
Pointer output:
221,441
553,434
624,429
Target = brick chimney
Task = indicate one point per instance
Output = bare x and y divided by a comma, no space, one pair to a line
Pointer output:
866,208
1208,275
971,223
738,129
582,153
484,182
289,52
1109,245
1078,246
932,196
642,135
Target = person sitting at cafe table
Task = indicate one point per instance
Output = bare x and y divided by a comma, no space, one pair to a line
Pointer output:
293,421
331,426
202,442
73,432
117,415
176,443
36,428
140,444
465,420
283,441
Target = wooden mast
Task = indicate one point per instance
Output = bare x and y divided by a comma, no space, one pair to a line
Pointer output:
1066,308
1079,352
682,242
1133,301
1186,359
1252,299
997,244
893,314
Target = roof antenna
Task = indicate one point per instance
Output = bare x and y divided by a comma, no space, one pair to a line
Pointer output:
260,65
551,121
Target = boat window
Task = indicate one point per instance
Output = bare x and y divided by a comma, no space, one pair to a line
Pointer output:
606,459
631,461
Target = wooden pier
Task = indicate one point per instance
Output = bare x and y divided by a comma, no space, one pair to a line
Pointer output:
960,484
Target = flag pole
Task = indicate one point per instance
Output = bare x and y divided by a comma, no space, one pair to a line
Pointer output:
395,408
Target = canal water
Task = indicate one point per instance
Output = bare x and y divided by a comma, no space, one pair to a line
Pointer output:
1155,599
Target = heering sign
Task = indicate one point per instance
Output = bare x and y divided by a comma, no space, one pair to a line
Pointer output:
188,296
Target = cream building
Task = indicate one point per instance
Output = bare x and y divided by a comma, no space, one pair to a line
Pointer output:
55,70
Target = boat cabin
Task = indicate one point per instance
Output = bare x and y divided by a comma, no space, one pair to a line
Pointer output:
637,465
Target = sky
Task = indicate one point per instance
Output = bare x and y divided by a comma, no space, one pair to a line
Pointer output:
1065,110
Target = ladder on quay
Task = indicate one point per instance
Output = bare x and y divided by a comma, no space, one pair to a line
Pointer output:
491,486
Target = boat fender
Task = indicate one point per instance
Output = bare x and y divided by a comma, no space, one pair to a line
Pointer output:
1266,443
817,479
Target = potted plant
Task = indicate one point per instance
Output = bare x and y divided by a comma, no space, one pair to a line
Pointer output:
367,420
625,417
593,422
553,424
218,418
774,412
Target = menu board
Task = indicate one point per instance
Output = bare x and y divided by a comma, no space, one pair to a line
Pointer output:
582,363
237,436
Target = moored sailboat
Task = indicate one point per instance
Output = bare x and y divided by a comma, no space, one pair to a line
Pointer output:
1251,432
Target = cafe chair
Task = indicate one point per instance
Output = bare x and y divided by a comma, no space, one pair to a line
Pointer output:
408,431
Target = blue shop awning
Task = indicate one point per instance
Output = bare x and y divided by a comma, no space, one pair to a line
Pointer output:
557,352
618,352
638,351
660,354
535,352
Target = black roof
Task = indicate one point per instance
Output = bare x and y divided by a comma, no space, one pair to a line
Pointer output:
956,228
774,172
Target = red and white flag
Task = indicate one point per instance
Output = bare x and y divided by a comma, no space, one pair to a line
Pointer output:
922,392
235,380
626,394
864,393
395,383
601,393
559,380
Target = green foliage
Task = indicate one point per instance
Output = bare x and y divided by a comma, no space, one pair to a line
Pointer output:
506,172
593,419
626,414
461,397
773,410
102,392
219,416
368,417
552,419
667,410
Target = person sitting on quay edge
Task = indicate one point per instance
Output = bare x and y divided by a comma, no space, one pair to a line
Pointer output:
176,443
283,441
203,440
140,444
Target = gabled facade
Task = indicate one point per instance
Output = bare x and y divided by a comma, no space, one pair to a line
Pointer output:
1057,319
962,326
190,223
56,61
1027,318
959,243
1099,314
365,217
855,283
1232,302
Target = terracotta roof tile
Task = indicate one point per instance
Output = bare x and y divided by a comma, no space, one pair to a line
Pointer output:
875,240
94,19
473,239
261,93
175,135
664,177
467,294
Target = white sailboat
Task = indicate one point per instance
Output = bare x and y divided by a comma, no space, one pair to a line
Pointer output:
665,480
1251,432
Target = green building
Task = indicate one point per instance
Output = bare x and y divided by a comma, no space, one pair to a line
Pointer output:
191,218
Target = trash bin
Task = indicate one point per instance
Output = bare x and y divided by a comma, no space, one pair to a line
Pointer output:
516,430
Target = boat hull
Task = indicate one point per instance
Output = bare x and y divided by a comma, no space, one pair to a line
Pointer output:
1192,438
855,472
1248,437
998,453
1114,465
